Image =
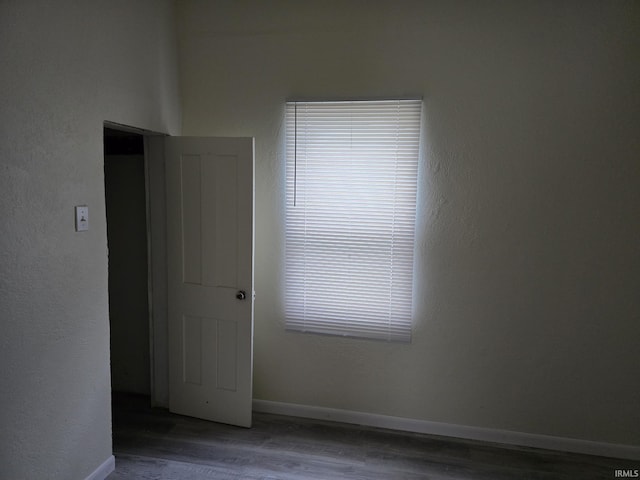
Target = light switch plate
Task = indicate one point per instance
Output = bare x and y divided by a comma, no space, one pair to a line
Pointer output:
82,218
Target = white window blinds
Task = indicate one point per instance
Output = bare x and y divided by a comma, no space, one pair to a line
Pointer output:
350,216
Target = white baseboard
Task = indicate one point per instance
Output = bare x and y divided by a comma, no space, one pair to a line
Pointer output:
630,452
103,471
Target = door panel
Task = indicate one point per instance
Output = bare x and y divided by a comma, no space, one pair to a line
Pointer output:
191,198
210,210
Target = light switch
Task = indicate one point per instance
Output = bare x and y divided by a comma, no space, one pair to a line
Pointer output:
82,218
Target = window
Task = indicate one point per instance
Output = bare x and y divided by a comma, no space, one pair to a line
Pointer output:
351,171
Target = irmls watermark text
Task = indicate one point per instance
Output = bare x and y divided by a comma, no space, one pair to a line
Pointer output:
627,473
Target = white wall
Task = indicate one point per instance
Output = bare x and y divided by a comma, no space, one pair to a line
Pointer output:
66,67
527,304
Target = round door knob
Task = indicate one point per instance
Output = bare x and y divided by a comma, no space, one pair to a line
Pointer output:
241,295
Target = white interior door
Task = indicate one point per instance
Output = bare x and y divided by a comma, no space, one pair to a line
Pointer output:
210,207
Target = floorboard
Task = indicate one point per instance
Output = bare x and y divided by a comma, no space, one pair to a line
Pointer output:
155,444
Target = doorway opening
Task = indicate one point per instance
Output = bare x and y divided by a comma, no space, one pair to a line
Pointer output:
128,247
161,194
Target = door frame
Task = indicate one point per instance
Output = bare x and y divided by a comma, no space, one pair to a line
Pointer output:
156,259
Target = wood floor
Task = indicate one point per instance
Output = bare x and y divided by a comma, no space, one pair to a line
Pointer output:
154,444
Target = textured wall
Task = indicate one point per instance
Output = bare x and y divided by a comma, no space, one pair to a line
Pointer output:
66,67
528,267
